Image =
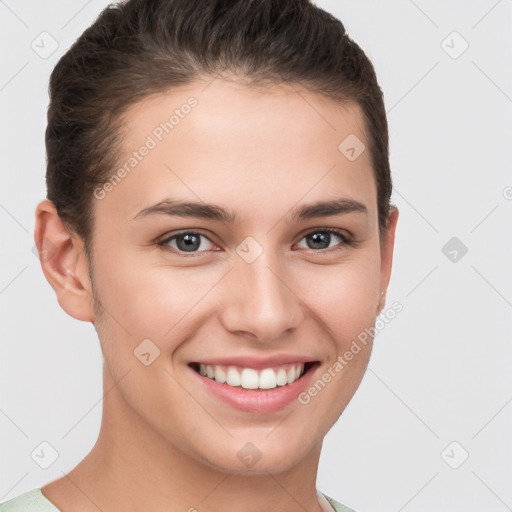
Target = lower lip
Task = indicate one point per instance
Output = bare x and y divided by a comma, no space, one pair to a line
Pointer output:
250,400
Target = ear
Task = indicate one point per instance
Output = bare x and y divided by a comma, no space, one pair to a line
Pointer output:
64,262
388,244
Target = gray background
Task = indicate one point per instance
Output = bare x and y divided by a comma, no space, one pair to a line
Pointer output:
439,386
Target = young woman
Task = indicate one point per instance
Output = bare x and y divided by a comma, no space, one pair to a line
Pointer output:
219,208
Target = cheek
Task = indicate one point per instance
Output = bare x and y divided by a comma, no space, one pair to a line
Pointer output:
344,297
154,302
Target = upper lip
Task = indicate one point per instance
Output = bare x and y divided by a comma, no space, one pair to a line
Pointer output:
255,362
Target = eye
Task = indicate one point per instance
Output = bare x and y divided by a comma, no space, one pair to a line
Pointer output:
192,242
188,242
321,239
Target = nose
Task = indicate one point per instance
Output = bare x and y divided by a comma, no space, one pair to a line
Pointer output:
260,301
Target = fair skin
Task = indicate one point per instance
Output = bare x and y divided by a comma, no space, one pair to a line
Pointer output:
168,441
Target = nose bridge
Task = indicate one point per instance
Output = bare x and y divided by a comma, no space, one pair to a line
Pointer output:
261,301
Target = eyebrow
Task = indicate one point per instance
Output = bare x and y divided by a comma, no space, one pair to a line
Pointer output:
211,211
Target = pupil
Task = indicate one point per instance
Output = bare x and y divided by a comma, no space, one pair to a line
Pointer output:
190,242
323,239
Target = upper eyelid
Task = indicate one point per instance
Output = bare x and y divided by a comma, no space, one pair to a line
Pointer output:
336,231
167,238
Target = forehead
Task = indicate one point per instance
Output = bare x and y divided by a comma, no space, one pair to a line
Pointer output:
226,141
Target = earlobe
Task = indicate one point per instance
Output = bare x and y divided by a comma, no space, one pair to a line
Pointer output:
64,262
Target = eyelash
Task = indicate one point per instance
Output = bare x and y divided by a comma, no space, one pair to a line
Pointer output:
345,239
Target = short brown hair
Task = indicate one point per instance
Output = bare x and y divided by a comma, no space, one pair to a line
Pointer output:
141,47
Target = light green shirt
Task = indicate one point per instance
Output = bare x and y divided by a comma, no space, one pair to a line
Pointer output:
36,501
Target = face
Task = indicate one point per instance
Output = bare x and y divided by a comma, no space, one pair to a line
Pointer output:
237,260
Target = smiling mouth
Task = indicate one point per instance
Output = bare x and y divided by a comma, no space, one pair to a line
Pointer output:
250,378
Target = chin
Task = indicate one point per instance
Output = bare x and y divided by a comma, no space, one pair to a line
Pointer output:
258,457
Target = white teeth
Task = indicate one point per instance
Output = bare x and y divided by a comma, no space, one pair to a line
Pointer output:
281,377
249,378
268,379
233,377
220,375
